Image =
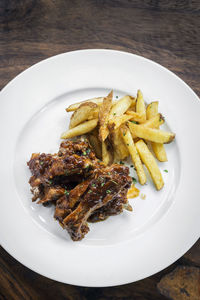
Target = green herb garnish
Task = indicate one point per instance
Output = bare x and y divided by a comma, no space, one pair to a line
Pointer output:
84,153
93,184
108,192
66,193
89,192
117,97
134,179
41,163
102,183
166,171
133,122
121,162
114,114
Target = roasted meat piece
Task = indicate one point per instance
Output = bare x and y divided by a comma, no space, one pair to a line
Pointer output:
82,188
108,185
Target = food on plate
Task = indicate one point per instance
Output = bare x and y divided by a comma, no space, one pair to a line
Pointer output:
151,134
84,112
158,148
82,188
150,162
80,129
117,127
75,106
104,111
134,154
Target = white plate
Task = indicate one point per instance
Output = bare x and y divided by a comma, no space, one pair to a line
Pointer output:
124,248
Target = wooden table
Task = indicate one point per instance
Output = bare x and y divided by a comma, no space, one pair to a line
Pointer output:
32,30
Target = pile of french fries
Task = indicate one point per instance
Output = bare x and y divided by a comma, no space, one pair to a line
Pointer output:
117,129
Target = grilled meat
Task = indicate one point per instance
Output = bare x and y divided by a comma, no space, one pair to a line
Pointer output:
82,188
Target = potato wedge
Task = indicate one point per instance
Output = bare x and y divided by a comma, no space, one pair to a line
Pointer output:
133,192
96,145
134,154
72,107
137,117
158,148
159,151
82,113
152,123
116,122
140,106
104,111
150,134
150,162
80,129
120,149
152,109
120,107
107,157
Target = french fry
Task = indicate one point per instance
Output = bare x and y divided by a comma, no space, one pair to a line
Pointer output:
152,123
150,134
104,116
116,122
158,148
120,149
96,145
74,106
133,192
80,129
152,110
137,117
134,154
106,154
120,107
159,151
150,162
140,106
82,113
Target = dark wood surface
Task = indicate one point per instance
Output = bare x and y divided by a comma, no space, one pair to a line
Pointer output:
32,30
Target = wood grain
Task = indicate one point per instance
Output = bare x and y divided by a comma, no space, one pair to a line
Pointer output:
32,30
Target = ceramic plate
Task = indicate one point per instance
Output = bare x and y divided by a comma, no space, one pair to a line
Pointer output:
124,248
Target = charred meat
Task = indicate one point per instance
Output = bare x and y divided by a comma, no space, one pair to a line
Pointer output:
81,187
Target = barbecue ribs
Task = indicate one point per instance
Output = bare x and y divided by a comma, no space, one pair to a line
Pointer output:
81,187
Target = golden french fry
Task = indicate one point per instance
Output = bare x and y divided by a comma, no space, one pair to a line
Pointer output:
140,106
150,162
120,107
152,109
120,149
152,123
150,134
137,117
116,122
128,140
96,145
83,112
106,154
104,111
158,148
133,192
80,129
159,151
94,114
74,106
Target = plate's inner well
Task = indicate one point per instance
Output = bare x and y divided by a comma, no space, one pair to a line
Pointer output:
42,134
